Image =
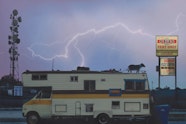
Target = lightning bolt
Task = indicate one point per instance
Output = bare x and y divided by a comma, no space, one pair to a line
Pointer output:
74,40
45,58
177,23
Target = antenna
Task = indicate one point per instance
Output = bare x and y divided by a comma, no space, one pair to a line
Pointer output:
52,64
13,41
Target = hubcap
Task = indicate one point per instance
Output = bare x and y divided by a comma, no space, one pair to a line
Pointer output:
103,119
33,119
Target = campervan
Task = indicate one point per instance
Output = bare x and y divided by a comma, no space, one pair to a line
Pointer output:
82,93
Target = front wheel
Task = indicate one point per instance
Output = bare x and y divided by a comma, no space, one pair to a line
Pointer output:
32,118
103,119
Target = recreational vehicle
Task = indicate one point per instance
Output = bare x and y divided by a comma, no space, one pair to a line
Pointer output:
81,93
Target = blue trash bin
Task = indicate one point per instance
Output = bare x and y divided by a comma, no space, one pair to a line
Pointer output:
162,112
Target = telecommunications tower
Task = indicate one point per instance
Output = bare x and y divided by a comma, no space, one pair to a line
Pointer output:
13,42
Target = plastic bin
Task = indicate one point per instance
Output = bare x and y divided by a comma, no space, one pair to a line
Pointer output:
162,112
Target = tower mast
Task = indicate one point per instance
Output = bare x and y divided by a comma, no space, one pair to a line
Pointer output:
13,42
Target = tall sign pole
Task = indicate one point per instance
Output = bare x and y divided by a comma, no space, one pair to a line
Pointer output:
167,51
175,73
159,72
14,41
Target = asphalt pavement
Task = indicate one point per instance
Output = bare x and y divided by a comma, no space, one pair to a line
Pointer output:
14,116
11,115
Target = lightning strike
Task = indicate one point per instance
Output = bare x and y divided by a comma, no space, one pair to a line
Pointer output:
74,40
40,56
177,24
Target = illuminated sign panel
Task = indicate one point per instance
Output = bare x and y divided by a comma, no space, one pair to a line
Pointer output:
166,45
167,66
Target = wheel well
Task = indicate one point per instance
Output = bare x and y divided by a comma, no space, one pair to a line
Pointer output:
32,112
97,114
33,117
103,114
103,118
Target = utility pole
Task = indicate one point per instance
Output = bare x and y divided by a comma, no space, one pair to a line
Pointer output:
13,41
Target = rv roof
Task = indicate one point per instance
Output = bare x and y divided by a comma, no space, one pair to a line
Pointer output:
73,71
79,72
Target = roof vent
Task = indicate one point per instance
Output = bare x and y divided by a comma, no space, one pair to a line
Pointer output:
82,68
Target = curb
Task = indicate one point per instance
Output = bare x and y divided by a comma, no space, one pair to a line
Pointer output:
12,120
10,109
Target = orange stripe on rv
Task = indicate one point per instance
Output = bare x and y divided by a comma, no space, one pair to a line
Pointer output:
78,96
39,102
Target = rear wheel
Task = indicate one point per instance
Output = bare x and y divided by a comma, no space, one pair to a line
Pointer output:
33,118
103,119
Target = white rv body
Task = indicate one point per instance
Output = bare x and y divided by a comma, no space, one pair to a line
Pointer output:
87,94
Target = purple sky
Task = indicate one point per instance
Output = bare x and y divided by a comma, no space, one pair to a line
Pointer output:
102,35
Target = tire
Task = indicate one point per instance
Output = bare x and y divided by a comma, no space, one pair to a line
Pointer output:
33,118
103,119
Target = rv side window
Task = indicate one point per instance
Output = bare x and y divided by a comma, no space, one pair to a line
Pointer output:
39,76
90,85
115,104
136,85
35,77
73,78
129,85
43,77
140,86
89,107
